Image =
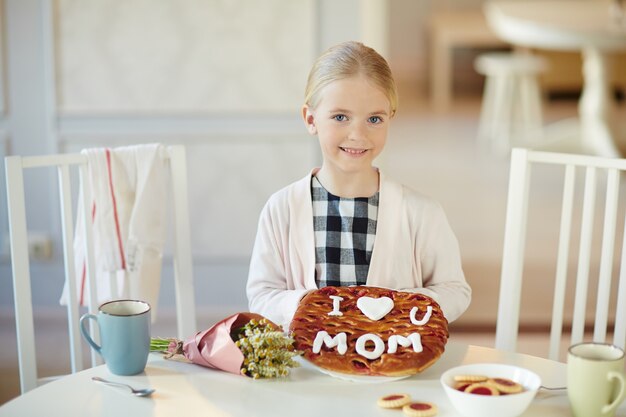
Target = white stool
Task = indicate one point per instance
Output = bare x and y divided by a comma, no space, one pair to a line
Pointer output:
511,107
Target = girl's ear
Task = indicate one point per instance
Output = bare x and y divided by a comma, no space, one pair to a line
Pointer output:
309,119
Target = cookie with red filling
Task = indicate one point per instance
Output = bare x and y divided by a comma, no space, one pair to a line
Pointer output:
420,409
506,386
394,401
482,388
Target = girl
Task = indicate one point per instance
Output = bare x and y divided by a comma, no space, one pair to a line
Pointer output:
346,223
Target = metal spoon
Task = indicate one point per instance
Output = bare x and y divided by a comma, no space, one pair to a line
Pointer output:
137,392
553,388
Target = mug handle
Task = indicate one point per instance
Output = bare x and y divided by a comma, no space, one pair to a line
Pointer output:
609,408
85,333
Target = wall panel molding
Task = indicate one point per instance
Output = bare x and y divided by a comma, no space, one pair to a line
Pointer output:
183,56
248,124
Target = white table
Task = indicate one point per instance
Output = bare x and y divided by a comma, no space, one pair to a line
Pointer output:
568,25
183,389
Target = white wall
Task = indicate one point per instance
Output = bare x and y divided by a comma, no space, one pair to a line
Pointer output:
224,78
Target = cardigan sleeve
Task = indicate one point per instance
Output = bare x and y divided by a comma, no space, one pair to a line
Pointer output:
271,289
437,250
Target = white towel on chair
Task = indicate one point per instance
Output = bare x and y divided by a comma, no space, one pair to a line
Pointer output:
129,194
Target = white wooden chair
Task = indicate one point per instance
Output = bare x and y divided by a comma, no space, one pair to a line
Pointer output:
183,271
600,173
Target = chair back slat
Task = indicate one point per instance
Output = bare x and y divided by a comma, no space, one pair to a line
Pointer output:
560,285
67,234
90,260
185,302
584,256
606,257
514,242
619,332
21,268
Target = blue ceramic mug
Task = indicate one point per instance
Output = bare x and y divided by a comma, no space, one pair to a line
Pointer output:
124,334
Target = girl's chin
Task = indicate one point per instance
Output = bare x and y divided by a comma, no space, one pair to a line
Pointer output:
355,166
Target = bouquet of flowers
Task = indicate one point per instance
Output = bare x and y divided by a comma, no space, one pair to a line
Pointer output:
244,343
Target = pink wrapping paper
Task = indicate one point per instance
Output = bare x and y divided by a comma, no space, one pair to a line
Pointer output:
214,348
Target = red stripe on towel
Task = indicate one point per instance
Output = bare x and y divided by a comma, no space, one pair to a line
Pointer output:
82,285
117,222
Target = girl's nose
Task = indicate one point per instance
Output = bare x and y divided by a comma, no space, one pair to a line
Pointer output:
357,132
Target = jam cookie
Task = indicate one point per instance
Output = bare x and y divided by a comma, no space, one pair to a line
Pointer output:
420,409
506,386
461,386
394,401
470,378
482,388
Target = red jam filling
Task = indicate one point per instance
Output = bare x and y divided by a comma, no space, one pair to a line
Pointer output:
393,397
462,387
481,391
420,406
507,382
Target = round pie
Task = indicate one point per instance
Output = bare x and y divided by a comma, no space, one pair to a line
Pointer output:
374,331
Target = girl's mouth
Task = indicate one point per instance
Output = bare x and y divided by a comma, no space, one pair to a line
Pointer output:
352,151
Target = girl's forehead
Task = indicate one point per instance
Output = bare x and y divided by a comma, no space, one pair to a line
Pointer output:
358,86
355,81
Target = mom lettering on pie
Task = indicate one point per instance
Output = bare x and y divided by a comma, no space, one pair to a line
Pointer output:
375,309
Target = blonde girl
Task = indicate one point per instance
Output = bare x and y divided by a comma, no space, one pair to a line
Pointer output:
345,223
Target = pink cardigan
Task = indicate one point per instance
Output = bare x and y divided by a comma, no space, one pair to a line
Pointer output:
415,250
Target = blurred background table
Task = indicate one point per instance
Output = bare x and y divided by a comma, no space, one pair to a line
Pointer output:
449,30
586,26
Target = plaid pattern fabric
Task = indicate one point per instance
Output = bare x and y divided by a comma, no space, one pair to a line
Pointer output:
345,229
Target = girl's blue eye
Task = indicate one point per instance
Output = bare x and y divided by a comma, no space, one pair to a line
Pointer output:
340,117
375,119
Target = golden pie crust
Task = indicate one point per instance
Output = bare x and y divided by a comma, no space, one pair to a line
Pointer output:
312,316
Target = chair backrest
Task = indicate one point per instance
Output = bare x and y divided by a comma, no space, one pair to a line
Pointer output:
65,163
597,263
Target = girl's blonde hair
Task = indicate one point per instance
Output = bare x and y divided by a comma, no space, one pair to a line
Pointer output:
346,60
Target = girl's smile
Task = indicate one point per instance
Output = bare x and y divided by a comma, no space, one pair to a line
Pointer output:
353,152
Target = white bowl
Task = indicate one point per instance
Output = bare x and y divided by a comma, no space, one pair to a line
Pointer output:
474,405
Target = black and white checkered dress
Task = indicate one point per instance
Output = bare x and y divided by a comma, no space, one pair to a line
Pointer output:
345,229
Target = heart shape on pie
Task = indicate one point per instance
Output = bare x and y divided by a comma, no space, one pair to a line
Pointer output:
375,308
